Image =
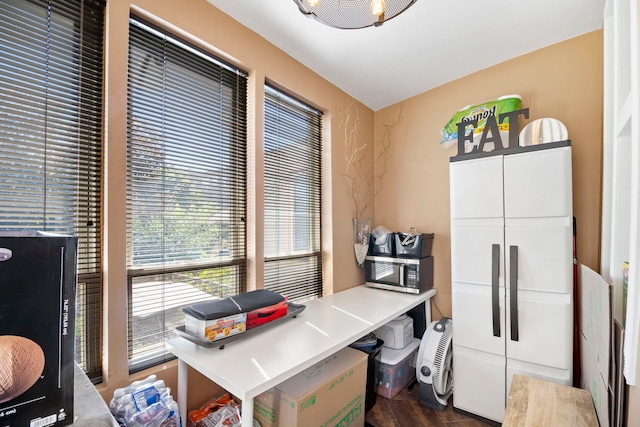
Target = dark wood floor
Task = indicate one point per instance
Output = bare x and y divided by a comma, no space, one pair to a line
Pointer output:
404,410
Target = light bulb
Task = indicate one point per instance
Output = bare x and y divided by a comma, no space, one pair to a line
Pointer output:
5,254
313,3
377,7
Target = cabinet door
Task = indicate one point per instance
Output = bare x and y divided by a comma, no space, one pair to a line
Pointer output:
479,355
545,253
541,315
545,335
477,298
539,218
476,188
477,274
478,383
538,224
477,234
538,184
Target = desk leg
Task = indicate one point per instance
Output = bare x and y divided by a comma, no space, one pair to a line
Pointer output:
427,312
183,372
247,412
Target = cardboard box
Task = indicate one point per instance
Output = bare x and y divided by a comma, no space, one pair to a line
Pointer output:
37,329
330,393
216,329
397,369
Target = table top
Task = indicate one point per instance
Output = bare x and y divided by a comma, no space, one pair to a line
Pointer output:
537,403
246,368
89,409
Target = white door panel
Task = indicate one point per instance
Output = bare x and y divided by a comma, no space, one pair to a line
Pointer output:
472,252
476,188
545,333
479,385
472,312
538,184
545,256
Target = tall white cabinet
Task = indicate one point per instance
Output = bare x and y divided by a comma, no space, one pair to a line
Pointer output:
512,273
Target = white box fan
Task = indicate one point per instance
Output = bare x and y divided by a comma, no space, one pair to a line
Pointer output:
433,365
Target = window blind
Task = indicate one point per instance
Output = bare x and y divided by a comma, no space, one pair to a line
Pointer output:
186,185
50,139
292,177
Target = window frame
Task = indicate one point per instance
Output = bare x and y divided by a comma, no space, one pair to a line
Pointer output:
281,275
236,188
68,142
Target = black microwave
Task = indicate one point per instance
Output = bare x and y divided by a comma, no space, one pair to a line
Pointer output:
411,275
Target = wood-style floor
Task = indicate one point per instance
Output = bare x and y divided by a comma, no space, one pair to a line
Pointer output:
404,410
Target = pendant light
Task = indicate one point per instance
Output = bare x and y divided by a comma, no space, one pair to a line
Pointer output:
353,14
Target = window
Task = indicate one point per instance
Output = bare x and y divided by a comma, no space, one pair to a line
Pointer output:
292,165
186,186
51,142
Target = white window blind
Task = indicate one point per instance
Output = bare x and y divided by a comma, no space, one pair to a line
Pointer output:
51,55
186,185
292,177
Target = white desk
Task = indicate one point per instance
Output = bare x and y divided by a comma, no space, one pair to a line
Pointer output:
246,368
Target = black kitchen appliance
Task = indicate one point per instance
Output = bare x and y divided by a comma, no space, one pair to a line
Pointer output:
408,267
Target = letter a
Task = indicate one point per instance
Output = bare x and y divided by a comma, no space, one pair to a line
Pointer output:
492,126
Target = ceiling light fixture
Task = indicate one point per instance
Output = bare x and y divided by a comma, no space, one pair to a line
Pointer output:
353,14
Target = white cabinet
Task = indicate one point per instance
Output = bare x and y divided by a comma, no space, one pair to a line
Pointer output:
512,273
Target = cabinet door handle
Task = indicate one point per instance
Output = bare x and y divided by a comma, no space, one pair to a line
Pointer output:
513,279
495,289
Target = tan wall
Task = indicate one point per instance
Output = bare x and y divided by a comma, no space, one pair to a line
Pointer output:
206,26
563,81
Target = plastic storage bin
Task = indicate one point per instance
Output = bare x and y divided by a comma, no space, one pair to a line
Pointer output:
415,246
397,333
388,248
373,366
397,368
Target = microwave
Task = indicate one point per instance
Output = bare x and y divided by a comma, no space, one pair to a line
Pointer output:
410,275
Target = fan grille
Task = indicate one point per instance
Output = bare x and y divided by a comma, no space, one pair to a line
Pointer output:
442,380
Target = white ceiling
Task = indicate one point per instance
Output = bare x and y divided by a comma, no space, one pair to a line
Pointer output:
432,43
